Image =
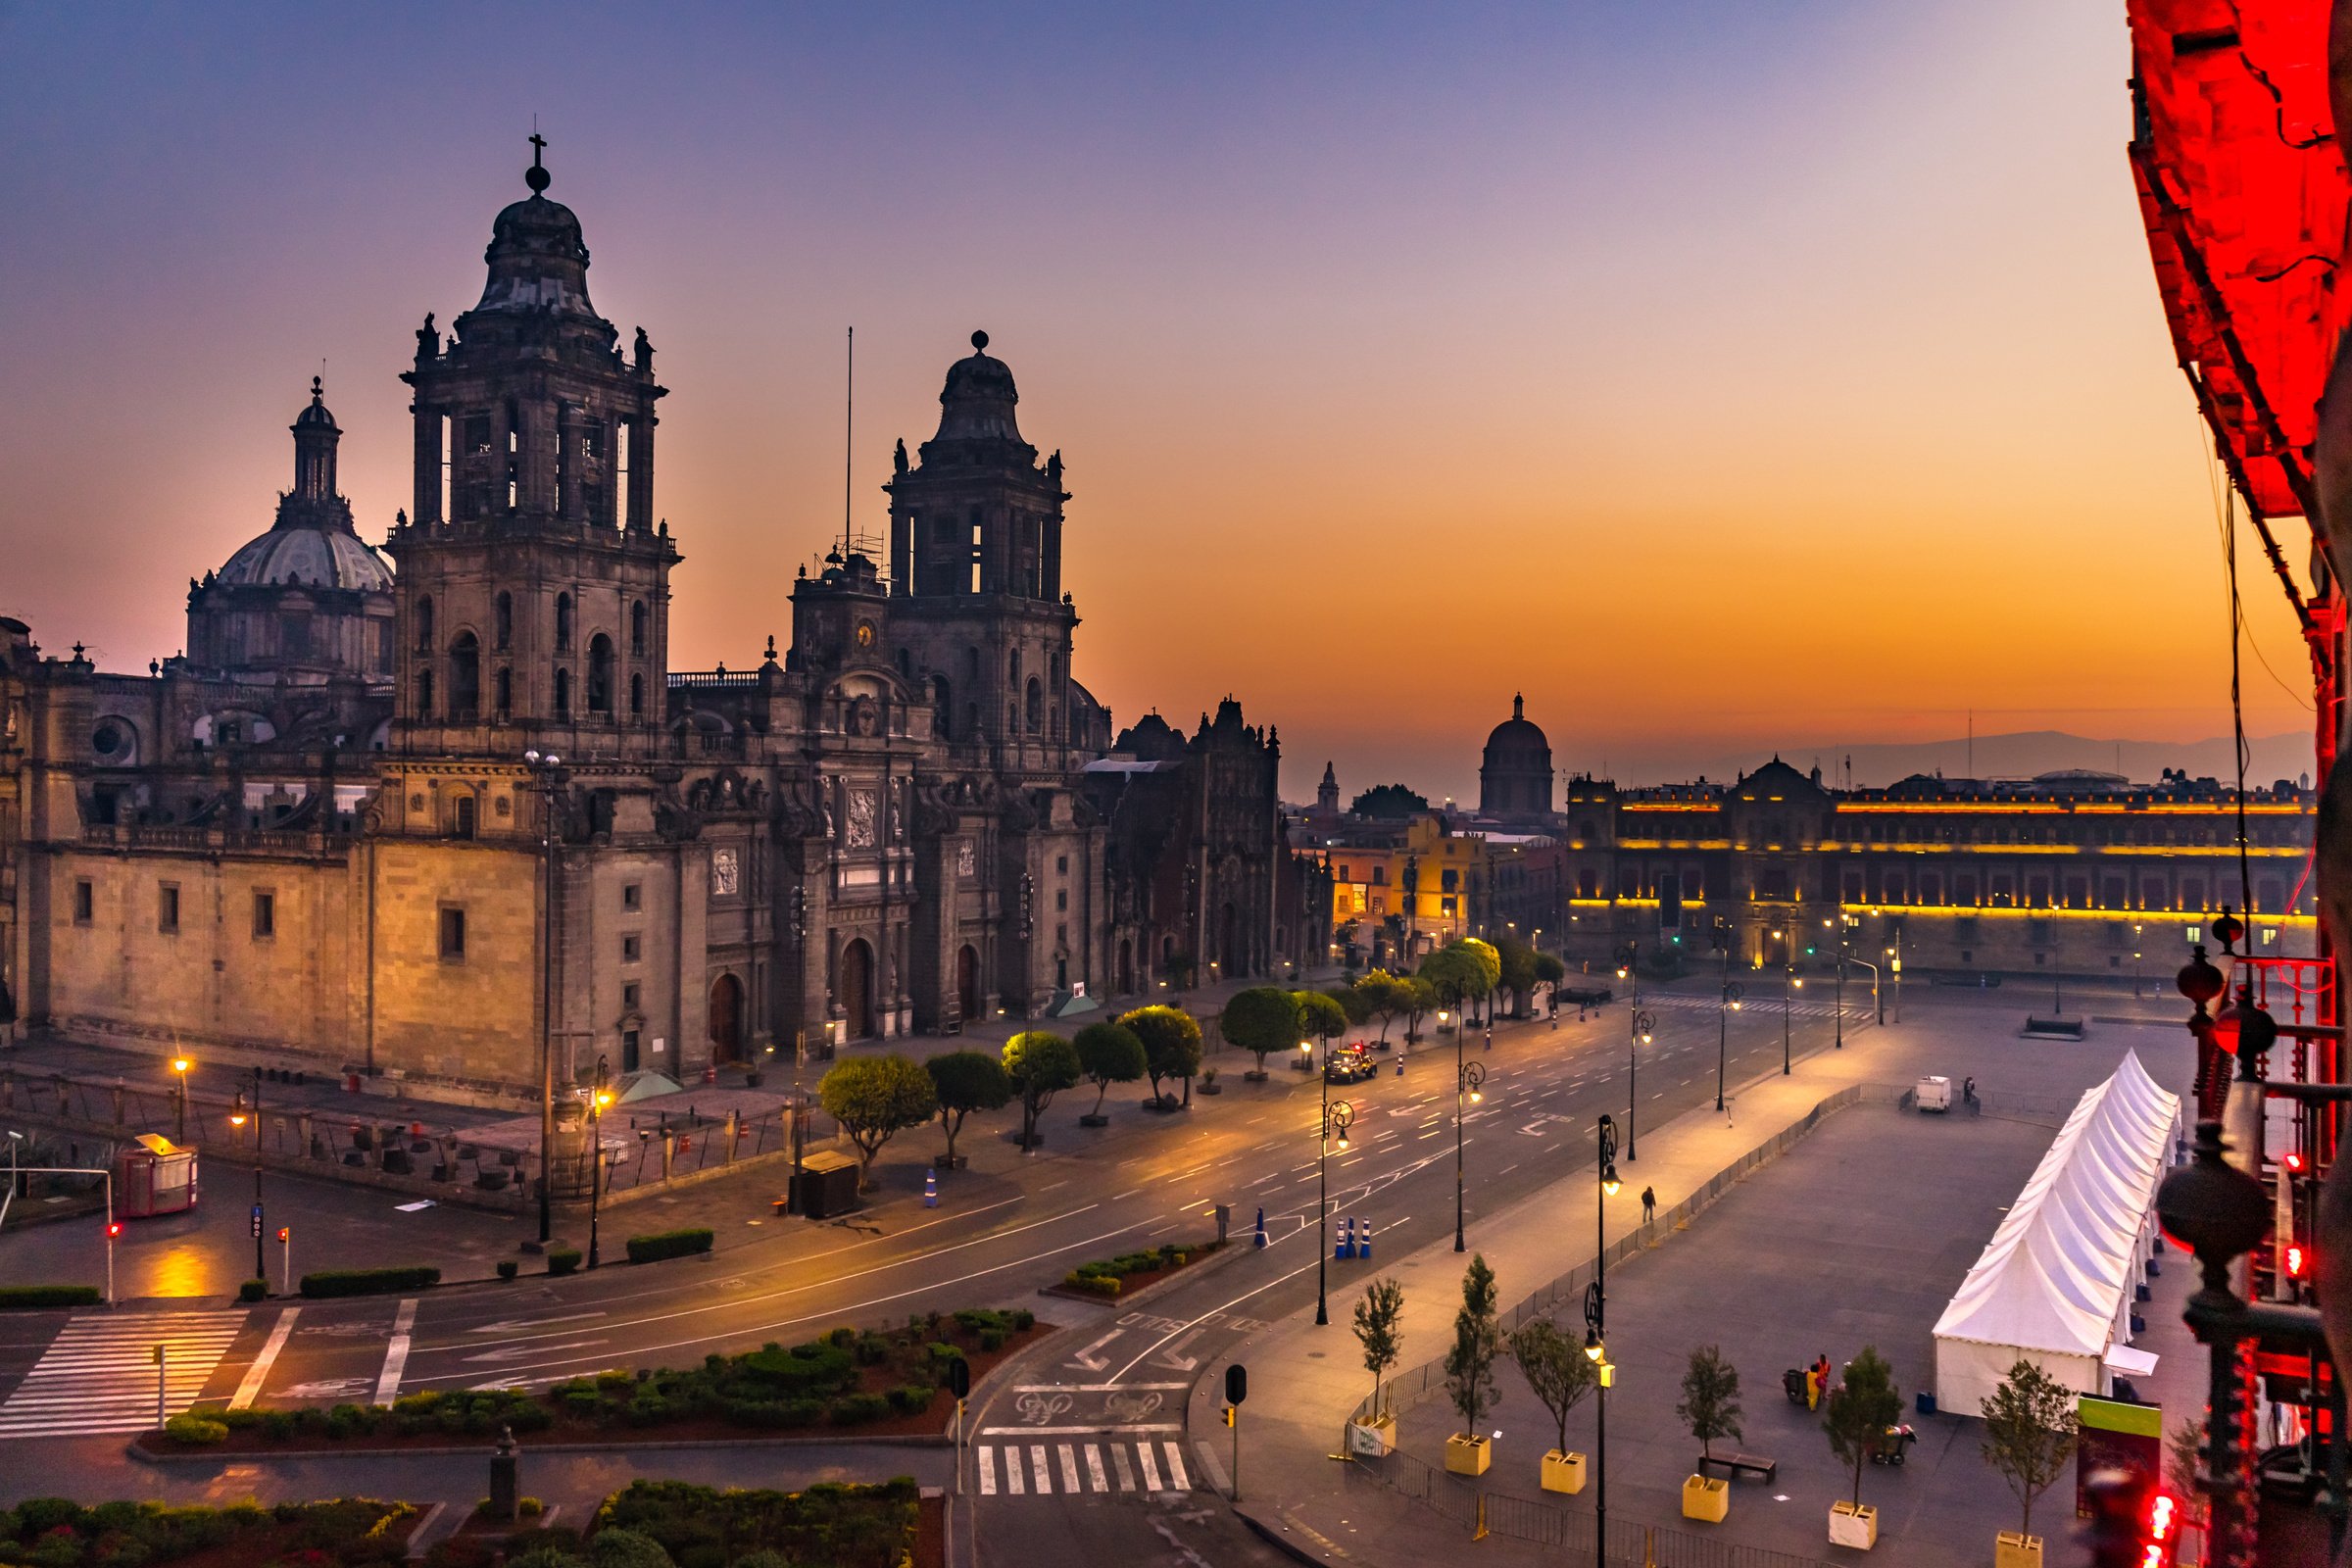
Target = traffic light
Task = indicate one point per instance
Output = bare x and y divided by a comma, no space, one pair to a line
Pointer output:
2293,1257
1229,1415
285,1233
2160,1538
114,1228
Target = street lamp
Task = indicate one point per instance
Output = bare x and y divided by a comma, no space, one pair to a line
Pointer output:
1627,967
1468,1077
1787,984
1338,1117
1895,973
547,770
1731,993
598,1097
1596,1332
179,1119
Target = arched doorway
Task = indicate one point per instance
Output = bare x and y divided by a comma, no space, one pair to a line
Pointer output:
855,990
726,1019
968,981
1126,965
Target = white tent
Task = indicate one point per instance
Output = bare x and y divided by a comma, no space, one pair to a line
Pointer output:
2055,1283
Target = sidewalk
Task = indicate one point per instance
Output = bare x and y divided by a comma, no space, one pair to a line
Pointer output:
1305,1381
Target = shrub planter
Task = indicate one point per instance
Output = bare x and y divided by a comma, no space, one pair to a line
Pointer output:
1466,1455
42,1297
1563,1472
1706,1497
2013,1549
668,1243
1372,1440
1255,1075
1210,1086
1853,1525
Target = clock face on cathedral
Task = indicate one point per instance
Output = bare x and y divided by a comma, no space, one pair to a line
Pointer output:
866,634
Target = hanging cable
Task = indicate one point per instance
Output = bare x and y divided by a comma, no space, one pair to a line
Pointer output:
2238,707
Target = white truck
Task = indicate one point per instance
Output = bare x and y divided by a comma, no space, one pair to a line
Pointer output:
1935,1093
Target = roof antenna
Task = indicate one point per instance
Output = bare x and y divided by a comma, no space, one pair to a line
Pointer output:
848,428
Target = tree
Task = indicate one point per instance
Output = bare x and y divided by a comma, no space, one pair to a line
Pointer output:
1377,1329
1108,1054
1860,1409
1391,802
2030,1432
1483,965
1477,1342
2183,1458
1320,1018
874,1098
1556,1369
1350,1004
965,1081
1041,1064
1383,997
1550,969
1424,1001
1710,1402
1518,971
1172,1043
1261,1020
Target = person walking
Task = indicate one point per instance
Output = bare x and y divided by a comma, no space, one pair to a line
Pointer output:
1649,1205
1817,1379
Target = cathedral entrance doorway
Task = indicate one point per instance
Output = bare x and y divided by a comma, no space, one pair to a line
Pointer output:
968,981
1227,967
726,1019
855,991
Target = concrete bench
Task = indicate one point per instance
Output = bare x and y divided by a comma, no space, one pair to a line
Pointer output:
1738,1464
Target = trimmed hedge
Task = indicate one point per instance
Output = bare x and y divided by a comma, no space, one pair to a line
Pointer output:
668,1243
254,1290
195,1430
367,1281
562,1259
1102,1277
32,1298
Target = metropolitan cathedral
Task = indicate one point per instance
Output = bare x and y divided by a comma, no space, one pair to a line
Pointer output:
418,812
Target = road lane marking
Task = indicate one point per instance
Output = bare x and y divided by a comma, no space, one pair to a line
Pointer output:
250,1390
987,1472
1178,1481
1118,1459
1070,1468
1143,1455
1094,1469
396,1353
1015,1481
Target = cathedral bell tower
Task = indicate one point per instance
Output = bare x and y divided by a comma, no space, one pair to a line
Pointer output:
533,576
976,600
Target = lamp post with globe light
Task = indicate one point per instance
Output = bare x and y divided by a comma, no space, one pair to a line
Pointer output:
1338,1117
1596,1333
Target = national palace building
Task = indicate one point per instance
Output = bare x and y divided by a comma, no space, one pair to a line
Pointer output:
2075,873
412,812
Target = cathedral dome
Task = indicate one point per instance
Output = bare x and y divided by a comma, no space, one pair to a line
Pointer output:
311,557
977,403
1514,779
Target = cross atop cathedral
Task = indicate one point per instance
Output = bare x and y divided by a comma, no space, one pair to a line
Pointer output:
537,176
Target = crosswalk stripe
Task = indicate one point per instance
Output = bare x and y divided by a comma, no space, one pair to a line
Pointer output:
98,1375
1094,1468
1016,1481
1118,1461
987,1472
1044,1470
1177,1478
1151,1467
1069,1469
1030,1469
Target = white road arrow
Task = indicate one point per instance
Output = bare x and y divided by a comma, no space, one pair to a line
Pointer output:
1172,1356
1088,1360
517,1325
517,1352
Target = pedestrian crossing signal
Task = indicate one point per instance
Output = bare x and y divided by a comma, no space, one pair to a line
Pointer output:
285,1233
1229,1415
114,1228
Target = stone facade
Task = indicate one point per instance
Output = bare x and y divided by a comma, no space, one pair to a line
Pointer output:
478,810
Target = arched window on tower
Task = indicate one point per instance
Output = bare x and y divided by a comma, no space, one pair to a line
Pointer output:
944,708
1012,668
505,691
425,692
637,629
562,692
562,623
464,678
600,674
424,624
1036,707
636,696
503,620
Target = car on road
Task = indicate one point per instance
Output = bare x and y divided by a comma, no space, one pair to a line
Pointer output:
1350,1064
1585,996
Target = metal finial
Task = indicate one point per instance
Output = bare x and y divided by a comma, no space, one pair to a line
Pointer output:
980,342
537,176
318,389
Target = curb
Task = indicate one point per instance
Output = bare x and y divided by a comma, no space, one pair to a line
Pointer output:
1190,1271
897,1440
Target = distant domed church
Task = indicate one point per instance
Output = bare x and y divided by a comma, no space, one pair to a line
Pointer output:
1515,777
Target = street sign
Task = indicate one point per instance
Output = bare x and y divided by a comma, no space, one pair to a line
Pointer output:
257,1222
1237,1383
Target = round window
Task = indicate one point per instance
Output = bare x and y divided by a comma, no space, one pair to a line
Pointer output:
109,740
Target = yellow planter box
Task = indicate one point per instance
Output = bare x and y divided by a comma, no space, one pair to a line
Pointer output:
2010,1549
1706,1497
1565,1472
1852,1525
1466,1455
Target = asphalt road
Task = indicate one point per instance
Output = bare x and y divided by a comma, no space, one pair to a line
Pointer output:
1105,1407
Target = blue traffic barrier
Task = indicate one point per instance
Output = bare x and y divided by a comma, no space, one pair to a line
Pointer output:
1261,1227
931,1189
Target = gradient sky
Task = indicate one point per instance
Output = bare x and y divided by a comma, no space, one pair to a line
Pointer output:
1728,377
